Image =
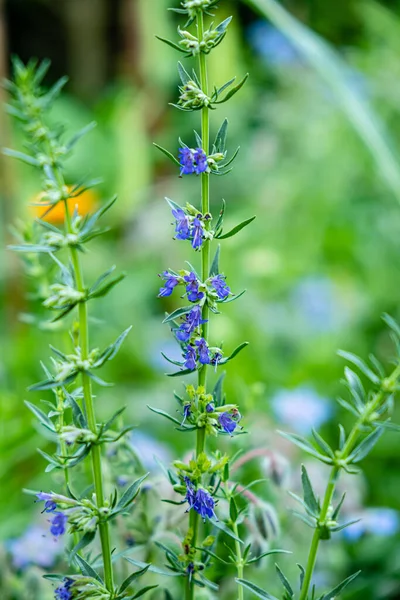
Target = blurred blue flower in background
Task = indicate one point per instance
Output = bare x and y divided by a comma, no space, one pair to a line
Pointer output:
35,547
315,300
271,44
301,408
375,521
146,447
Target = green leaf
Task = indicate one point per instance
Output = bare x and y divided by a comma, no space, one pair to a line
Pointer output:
80,134
173,205
158,411
179,312
220,139
217,393
130,494
356,360
257,591
366,446
127,582
234,353
305,445
309,496
268,553
338,589
32,248
223,527
235,230
233,511
86,568
168,154
284,581
214,270
39,414
329,65
83,542
183,74
152,569
173,45
233,90
181,373
322,444
142,592
336,512
104,289
392,324
29,160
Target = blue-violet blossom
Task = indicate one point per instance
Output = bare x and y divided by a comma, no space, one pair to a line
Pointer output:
192,161
192,288
190,358
219,284
170,283
204,353
182,226
227,422
64,591
192,321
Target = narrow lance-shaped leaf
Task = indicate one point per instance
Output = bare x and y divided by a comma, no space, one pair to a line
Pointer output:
236,229
309,496
131,493
338,589
257,591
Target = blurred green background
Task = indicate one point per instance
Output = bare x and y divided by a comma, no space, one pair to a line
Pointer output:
320,263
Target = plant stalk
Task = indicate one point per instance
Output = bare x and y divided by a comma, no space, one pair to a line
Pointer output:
205,269
351,442
239,561
90,412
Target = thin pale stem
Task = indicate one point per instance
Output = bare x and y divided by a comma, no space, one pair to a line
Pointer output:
205,269
90,412
239,560
351,442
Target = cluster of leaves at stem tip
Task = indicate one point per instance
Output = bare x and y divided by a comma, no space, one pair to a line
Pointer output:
67,414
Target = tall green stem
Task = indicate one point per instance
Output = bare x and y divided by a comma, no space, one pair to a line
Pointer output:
90,412
205,269
239,560
351,442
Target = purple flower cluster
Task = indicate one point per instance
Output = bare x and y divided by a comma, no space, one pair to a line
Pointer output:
228,421
192,288
59,520
219,284
191,322
200,500
188,229
63,592
171,281
199,351
192,161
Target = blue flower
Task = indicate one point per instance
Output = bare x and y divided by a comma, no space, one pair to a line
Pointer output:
190,358
210,407
192,288
192,321
64,591
170,283
187,411
190,492
227,422
301,408
182,226
204,353
197,232
35,547
216,358
200,159
58,524
192,161
219,284
186,159
204,504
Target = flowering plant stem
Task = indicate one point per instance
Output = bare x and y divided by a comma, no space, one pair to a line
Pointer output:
205,268
342,455
89,405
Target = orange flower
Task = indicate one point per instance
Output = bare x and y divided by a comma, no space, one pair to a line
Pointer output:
85,203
